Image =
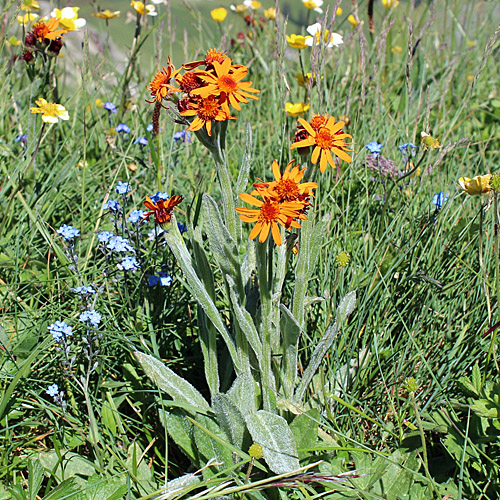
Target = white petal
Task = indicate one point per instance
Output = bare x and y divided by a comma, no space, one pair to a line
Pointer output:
314,28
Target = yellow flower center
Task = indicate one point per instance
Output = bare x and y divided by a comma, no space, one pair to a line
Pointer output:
50,109
227,84
269,212
324,139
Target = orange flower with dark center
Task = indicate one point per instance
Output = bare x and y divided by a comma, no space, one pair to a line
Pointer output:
160,85
327,140
188,82
161,209
225,80
268,215
47,31
206,111
211,56
287,187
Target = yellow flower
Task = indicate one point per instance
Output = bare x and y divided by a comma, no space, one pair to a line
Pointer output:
68,18
27,18
353,20
30,5
13,41
219,14
313,5
270,13
304,80
297,41
51,112
141,9
396,49
99,103
477,185
428,141
390,3
239,9
297,109
339,11
107,14
252,4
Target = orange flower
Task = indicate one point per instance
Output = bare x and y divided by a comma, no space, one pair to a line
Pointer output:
47,31
188,82
211,56
225,80
161,209
287,187
328,138
206,110
267,216
160,85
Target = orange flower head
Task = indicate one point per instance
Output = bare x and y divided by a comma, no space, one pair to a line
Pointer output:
211,56
161,209
188,82
267,216
326,140
206,110
318,121
225,80
160,85
47,31
287,187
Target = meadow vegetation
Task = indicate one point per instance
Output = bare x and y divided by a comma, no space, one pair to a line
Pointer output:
251,252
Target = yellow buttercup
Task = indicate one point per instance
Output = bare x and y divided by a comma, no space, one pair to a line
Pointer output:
475,186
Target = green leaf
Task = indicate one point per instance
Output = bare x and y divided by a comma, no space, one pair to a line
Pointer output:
276,438
178,247
290,332
242,393
229,418
476,379
305,430
178,388
35,478
66,490
104,488
181,431
71,465
136,464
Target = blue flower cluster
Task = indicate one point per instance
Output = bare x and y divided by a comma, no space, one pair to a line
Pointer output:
128,264
123,128
375,148
84,291
136,216
52,390
60,329
120,245
91,318
123,188
163,279
439,199
112,205
69,233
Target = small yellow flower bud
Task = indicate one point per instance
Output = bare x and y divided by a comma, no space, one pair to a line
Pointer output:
255,451
495,182
343,259
410,384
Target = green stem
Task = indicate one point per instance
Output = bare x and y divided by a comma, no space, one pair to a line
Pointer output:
422,438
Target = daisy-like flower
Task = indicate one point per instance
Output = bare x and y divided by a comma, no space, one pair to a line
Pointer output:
106,14
297,41
287,187
142,9
47,30
252,4
239,9
296,109
51,112
304,80
268,214
161,209
390,3
206,111
327,137
313,5
226,80
428,141
219,14
329,38
68,18
160,85
270,13
475,186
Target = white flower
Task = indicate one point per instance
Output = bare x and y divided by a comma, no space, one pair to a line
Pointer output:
68,18
314,5
330,39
